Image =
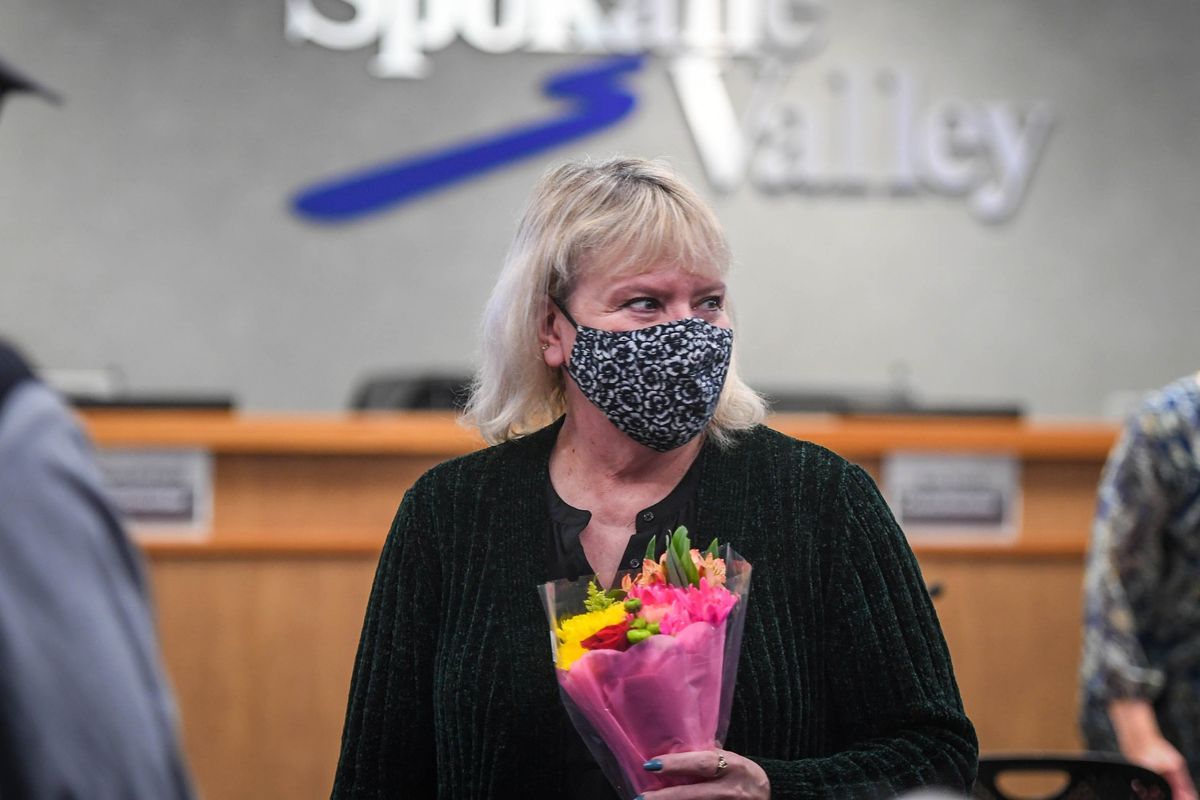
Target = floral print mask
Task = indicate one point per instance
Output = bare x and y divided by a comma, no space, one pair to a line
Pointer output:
659,385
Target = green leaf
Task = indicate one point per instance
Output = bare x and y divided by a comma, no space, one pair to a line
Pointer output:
650,549
597,600
679,542
675,574
713,549
681,536
681,545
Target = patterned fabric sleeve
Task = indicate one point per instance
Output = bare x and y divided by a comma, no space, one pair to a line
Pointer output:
1125,561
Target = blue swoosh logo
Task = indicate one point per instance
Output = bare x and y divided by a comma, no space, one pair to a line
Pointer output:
598,100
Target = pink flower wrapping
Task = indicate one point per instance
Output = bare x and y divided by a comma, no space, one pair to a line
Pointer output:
670,692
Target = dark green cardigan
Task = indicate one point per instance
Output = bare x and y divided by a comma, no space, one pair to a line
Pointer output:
844,686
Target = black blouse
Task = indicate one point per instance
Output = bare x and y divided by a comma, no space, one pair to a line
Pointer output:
564,552
565,559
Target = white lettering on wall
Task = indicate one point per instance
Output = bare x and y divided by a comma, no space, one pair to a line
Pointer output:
953,147
872,132
711,118
305,23
556,25
1016,146
406,30
495,26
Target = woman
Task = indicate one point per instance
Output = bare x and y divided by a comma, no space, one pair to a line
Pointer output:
1141,644
610,323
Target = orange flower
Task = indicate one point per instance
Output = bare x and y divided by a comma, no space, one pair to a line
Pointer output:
710,567
653,572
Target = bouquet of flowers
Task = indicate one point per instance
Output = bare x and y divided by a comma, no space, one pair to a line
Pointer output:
649,668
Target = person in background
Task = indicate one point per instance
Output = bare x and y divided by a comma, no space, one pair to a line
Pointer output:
609,382
85,709
1141,660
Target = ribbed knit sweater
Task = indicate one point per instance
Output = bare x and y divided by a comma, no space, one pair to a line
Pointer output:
844,688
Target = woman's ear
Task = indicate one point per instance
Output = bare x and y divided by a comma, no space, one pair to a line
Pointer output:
552,336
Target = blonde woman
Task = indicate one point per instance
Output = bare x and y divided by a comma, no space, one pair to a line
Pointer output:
609,387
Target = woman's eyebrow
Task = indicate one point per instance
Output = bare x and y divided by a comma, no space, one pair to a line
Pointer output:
636,286
649,287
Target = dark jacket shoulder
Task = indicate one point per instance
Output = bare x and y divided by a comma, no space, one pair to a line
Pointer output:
784,452
14,371
765,436
812,481
515,459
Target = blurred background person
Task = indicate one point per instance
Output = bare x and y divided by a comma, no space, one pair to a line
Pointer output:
1141,661
85,709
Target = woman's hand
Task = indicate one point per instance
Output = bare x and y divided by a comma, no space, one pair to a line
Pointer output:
1162,757
1141,741
711,775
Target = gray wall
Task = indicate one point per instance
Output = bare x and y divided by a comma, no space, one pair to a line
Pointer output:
145,222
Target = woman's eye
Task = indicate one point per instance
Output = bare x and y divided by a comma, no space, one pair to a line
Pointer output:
714,303
642,304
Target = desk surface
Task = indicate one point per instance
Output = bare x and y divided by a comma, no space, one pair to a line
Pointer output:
440,433
327,484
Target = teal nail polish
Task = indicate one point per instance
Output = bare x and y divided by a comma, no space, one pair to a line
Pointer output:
639,797
653,765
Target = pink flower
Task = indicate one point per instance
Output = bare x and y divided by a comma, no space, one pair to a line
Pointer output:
654,613
675,607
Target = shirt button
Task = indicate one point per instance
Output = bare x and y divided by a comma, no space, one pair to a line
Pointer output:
647,516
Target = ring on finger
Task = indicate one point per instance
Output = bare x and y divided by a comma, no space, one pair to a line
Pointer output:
722,764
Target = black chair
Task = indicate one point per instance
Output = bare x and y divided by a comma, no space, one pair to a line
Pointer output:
1088,776
389,392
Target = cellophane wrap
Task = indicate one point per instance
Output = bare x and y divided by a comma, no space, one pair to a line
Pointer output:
667,694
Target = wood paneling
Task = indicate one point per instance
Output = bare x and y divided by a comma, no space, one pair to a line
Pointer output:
411,433
260,651
260,622
440,433
310,498
1059,501
260,648
1013,628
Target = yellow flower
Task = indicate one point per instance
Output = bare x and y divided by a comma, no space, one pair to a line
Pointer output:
571,632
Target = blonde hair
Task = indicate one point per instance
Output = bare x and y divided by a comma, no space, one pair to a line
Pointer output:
637,213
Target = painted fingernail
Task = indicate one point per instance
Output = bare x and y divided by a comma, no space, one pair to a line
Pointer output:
653,765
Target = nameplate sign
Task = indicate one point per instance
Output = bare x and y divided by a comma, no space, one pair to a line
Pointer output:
162,494
954,497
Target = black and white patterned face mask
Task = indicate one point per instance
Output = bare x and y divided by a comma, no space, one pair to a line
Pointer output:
659,385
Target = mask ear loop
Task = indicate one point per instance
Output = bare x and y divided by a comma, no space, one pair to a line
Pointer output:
562,307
